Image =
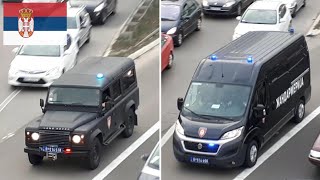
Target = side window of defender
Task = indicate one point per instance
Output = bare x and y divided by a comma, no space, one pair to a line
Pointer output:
128,79
116,89
106,98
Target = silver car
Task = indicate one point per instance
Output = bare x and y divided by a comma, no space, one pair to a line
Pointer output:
293,5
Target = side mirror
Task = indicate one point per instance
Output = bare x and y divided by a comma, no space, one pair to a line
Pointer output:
145,157
259,111
82,26
180,103
15,50
238,18
42,105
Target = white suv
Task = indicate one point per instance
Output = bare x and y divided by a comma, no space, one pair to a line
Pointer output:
264,16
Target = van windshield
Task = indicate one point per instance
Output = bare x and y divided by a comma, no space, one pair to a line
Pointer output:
216,100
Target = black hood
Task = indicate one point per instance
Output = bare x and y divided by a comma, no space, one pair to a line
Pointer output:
167,25
89,4
65,119
214,130
217,2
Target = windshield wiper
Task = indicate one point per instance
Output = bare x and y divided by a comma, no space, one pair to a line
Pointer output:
200,116
218,117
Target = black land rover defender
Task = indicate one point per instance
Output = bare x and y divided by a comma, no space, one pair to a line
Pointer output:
87,107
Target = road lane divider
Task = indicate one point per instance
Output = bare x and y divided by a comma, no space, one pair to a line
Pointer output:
167,136
265,156
9,99
123,156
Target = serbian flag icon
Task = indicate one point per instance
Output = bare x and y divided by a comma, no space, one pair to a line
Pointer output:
34,23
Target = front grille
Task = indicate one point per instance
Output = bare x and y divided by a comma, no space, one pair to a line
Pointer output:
195,146
62,139
41,81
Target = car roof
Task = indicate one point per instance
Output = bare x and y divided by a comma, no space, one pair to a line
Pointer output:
72,11
174,2
232,66
85,73
267,5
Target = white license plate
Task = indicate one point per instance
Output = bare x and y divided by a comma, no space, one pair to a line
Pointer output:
51,149
215,8
198,160
31,79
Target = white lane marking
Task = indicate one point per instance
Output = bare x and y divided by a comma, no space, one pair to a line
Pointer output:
8,136
116,162
245,173
167,136
9,99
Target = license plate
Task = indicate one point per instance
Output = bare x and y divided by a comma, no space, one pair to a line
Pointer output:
51,149
215,8
198,160
31,79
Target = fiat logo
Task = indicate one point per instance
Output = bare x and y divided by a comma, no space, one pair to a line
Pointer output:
215,3
202,131
199,146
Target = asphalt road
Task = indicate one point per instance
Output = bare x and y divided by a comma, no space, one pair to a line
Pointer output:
25,106
215,33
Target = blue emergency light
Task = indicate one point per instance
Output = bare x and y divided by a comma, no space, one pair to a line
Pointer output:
211,145
100,76
213,57
291,30
250,59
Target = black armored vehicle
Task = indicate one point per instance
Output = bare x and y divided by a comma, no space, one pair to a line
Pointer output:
87,107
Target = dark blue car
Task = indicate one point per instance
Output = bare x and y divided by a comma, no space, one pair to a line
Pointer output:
179,18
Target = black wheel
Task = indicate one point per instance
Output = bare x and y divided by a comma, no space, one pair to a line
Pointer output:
294,13
35,159
179,39
300,111
170,64
129,123
304,3
94,154
239,10
251,154
199,22
103,17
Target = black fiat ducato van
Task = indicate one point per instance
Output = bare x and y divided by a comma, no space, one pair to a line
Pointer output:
240,96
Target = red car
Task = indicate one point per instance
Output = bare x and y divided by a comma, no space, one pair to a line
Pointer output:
314,156
166,52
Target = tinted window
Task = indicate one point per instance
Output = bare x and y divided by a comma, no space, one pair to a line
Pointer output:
116,89
40,50
255,16
282,11
192,8
170,12
215,99
74,96
128,79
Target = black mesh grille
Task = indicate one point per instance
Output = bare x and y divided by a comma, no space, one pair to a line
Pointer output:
204,147
62,139
41,81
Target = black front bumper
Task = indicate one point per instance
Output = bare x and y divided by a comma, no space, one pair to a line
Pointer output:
220,11
231,154
75,153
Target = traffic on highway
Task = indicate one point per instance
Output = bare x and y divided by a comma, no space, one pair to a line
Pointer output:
240,99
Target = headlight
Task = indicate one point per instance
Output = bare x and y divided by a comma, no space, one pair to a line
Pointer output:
228,4
172,30
99,8
315,154
232,134
179,128
53,71
35,136
77,138
205,3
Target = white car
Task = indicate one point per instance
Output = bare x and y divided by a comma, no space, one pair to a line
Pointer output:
79,25
264,16
293,5
40,65
151,169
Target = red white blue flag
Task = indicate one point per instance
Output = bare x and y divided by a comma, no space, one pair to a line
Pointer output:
34,23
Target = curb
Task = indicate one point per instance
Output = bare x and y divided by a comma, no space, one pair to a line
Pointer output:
314,32
144,49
